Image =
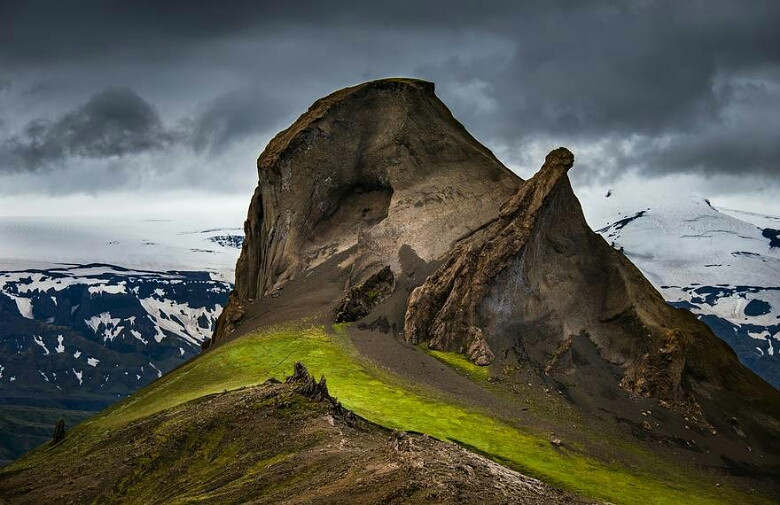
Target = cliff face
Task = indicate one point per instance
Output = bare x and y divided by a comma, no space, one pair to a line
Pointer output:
366,170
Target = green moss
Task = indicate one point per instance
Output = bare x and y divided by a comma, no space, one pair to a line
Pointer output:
461,363
250,475
390,401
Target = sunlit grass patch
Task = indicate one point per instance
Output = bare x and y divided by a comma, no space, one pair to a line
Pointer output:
461,363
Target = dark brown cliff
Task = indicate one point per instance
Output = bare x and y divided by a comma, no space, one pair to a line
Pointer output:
538,286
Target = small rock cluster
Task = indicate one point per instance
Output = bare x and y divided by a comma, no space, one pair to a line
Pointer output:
360,299
306,385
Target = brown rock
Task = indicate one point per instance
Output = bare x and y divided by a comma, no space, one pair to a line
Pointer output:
539,285
367,169
59,432
360,299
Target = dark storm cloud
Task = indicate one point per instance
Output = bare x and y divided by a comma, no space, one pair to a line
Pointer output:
47,30
114,122
640,70
671,86
232,117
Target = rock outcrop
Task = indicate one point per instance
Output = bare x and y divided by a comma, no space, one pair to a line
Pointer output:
361,298
366,170
445,310
59,433
539,283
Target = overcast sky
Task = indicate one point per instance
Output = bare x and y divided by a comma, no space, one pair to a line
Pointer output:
134,100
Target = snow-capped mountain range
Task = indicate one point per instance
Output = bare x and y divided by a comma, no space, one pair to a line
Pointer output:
722,265
76,336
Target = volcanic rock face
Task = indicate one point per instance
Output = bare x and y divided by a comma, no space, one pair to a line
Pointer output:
367,169
538,283
444,311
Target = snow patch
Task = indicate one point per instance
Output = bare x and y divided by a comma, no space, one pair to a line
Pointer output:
180,319
111,328
60,346
111,289
25,307
764,335
39,340
137,335
159,373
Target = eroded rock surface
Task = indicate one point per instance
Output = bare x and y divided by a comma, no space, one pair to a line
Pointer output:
445,310
361,298
367,169
536,285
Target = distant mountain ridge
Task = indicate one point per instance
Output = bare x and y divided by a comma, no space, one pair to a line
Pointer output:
193,241
75,338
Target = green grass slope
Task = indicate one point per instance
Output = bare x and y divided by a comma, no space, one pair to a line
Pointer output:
389,400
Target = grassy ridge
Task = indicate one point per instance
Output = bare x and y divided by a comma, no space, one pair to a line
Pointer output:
392,402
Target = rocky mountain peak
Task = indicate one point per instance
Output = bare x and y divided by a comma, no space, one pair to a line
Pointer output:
445,310
365,171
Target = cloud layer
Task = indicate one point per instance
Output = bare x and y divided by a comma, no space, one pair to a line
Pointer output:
113,123
648,87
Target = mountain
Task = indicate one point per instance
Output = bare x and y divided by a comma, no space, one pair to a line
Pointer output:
197,240
74,337
724,266
436,293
